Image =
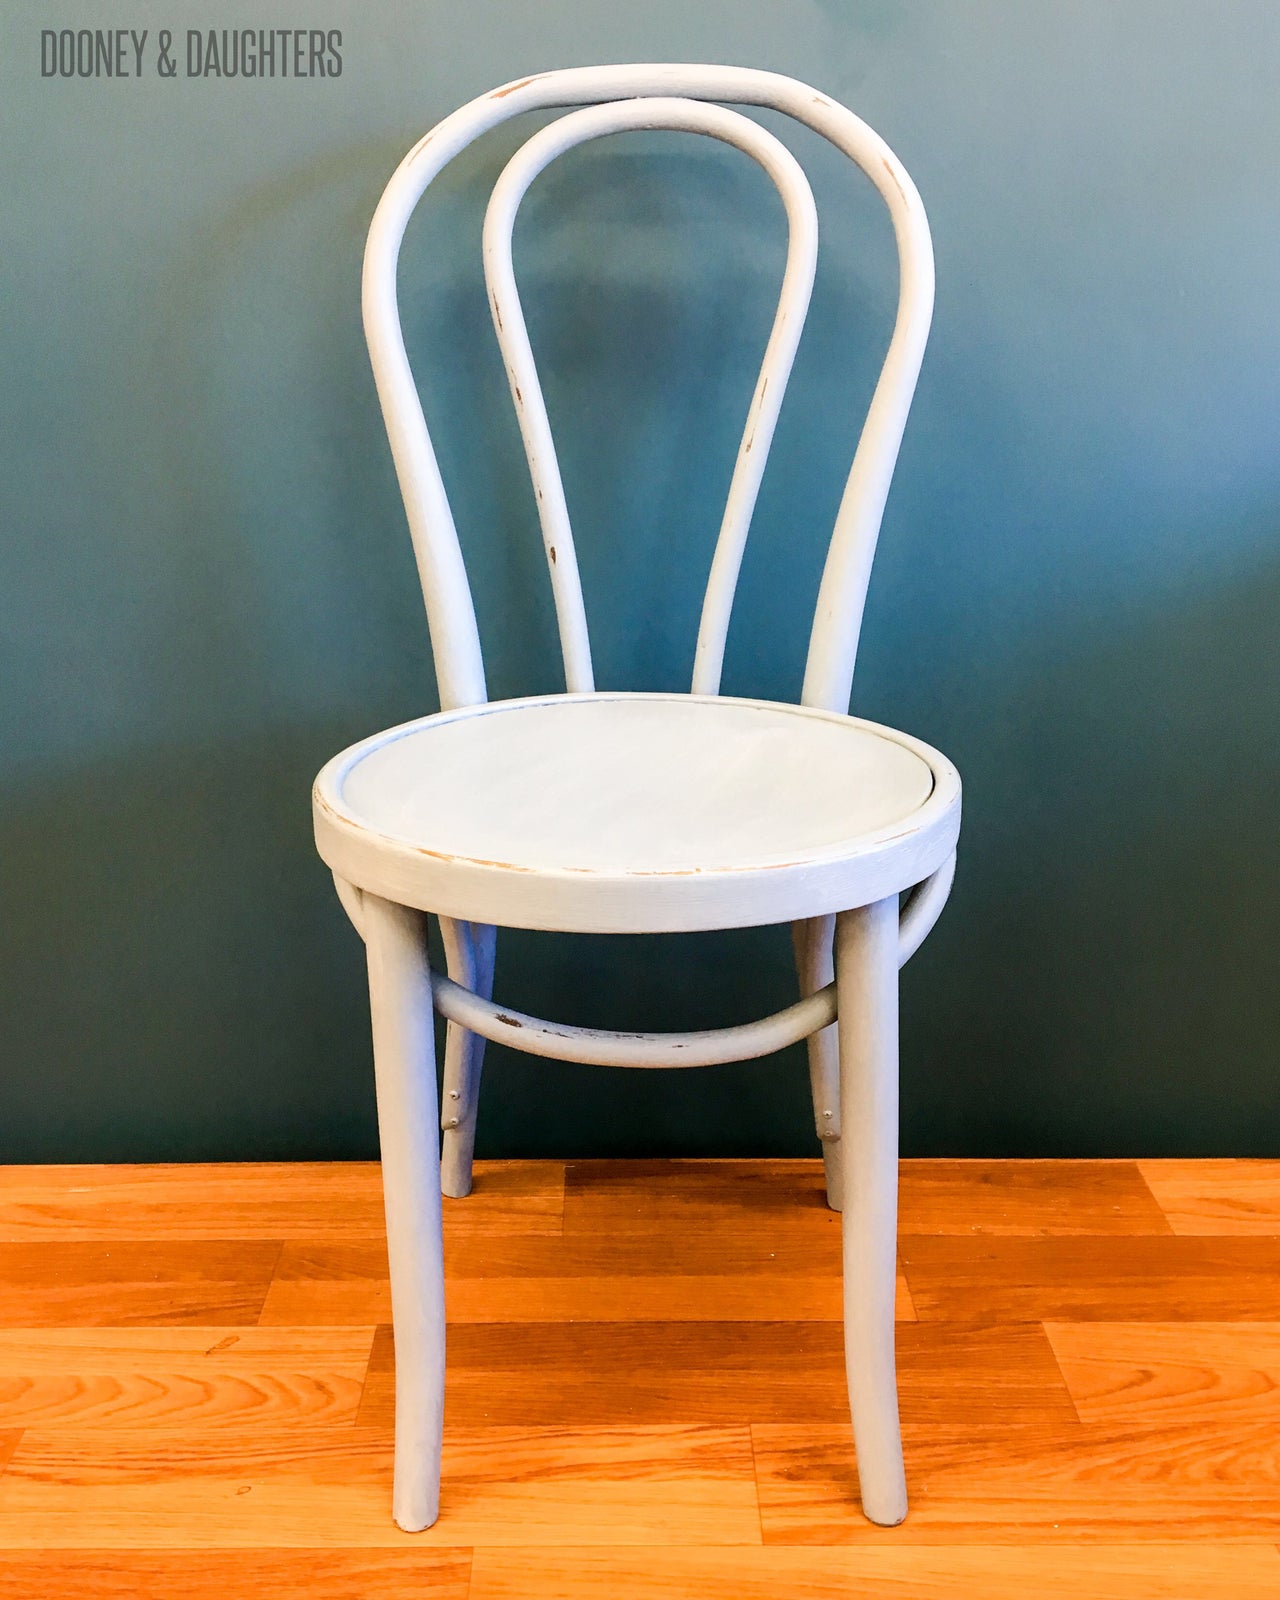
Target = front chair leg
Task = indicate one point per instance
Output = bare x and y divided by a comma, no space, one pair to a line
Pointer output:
867,980
405,1071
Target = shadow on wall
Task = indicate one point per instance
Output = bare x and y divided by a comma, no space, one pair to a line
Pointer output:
1109,951
294,572
210,998
182,987
1104,981
184,983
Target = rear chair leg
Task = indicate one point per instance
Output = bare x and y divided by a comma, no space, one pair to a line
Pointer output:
815,965
867,975
469,952
405,1071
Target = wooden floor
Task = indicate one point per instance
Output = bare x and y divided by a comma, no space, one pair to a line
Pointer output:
646,1398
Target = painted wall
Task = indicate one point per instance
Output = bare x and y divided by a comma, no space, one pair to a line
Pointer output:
207,586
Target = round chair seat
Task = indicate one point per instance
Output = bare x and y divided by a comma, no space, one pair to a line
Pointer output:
636,812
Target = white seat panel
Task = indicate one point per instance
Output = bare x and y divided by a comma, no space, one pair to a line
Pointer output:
619,791
634,784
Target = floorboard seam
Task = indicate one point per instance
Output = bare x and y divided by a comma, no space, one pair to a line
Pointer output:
755,1481
271,1278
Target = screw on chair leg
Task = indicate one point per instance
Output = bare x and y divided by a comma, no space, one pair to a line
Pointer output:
405,1072
459,1143
867,974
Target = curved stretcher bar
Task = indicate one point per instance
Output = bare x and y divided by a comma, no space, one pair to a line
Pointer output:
598,1047
710,1047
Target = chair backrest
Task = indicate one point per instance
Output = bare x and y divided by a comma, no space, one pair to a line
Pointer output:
618,98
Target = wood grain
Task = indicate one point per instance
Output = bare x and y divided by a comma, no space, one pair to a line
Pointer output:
1032,1198
147,1378
1217,1197
228,1574
538,1374
1080,1481
746,1199
1089,1399
1052,1571
266,1200
1145,1373
1093,1279
577,1277
109,1283
320,1283
320,1487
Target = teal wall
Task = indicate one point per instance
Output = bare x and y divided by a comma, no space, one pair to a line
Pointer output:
207,586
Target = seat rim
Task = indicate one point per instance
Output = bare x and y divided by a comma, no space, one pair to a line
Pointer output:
834,877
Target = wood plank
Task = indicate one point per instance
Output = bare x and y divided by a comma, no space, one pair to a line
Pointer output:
509,1198
104,1283
1053,1571
324,1487
582,1414
788,1199
231,1574
321,1283
267,1200
578,1277
146,1378
614,1374
1170,1372
1083,1481
1032,1198
1217,1197
1104,1279
740,1199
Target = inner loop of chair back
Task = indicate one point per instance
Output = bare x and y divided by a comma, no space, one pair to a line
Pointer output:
619,99
802,256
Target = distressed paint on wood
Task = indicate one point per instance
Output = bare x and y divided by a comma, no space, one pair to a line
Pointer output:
644,813
526,391
627,812
451,615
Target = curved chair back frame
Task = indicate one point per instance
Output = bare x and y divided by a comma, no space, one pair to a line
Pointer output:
848,962
627,98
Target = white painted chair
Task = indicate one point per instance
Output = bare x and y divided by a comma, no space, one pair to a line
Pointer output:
601,812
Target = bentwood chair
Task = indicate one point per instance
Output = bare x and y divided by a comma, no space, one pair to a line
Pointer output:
598,812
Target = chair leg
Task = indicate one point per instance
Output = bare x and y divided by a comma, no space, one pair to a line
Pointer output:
468,953
405,1071
867,975
815,965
